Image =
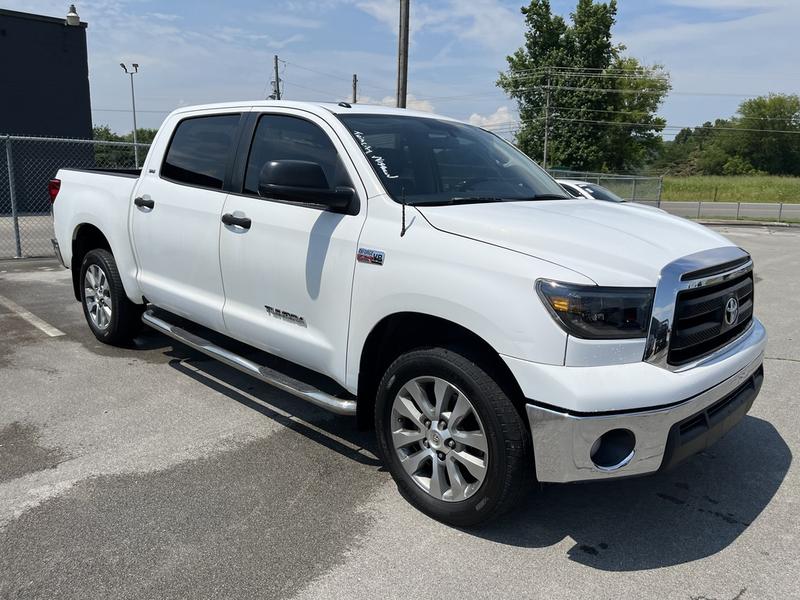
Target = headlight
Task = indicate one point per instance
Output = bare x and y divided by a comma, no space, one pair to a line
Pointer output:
598,313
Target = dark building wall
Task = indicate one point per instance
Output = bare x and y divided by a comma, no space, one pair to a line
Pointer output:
44,92
44,77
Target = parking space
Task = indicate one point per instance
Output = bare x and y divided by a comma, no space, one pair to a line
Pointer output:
153,471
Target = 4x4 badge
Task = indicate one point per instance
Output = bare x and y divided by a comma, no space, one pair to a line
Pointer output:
372,257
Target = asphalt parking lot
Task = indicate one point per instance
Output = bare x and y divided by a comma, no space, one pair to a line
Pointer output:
153,472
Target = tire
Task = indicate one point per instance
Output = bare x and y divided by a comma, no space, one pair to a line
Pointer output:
111,316
462,493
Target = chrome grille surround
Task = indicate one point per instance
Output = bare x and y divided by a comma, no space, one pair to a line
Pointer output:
733,262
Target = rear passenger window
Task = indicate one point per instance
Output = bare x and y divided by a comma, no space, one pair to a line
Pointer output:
279,137
199,150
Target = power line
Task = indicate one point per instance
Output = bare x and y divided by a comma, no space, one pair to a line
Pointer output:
590,89
336,76
652,126
329,74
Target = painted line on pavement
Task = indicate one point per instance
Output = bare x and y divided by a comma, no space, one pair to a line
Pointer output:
30,318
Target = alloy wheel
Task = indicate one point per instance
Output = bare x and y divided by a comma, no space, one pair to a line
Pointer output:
439,438
97,296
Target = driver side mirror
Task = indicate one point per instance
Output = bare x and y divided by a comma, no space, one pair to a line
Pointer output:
302,181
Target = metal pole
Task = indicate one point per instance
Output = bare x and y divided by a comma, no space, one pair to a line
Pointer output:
402,55
546,122
780,211
135,140
660,186
277,87
634,189
738,206
699,205
355,88
12,192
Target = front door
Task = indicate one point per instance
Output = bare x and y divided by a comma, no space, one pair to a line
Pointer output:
175,222
288,277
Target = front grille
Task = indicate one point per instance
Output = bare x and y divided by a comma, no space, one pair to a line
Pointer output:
699,327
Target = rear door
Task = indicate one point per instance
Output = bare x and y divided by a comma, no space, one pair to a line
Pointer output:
288,277
175,222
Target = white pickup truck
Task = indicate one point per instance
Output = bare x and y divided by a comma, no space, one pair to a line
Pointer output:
425,276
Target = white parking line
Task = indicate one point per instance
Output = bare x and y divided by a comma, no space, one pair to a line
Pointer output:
30,318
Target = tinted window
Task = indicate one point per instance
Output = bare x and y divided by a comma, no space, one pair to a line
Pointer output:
200,149
598,192
572,191
279,137
426,160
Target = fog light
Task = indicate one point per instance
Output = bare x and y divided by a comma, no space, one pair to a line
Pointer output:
613,450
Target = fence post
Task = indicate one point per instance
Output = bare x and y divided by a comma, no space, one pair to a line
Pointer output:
738,206
634,189
699,204
13,196
780,211
658,194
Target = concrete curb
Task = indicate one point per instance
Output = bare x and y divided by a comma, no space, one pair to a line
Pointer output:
743,223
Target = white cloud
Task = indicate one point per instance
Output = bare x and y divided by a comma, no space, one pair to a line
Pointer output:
502,116
411,102
487,22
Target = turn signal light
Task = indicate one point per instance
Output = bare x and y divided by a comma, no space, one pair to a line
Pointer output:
53,187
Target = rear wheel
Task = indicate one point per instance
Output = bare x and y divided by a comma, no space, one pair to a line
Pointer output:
451,437
111,316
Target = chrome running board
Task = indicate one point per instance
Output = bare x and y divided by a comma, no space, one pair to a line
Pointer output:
272,377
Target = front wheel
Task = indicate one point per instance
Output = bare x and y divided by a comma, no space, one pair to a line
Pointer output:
451,437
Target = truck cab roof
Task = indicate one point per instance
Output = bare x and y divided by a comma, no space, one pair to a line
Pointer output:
315,107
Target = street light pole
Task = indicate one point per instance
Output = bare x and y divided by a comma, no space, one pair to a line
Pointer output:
132,72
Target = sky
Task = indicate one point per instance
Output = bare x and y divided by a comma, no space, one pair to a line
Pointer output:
717,52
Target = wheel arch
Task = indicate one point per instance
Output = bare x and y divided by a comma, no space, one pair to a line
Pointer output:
403,331
85,237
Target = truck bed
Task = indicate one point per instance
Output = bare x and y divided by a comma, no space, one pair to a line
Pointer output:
134,173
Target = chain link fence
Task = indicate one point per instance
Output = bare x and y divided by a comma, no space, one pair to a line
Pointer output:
629,187
27,164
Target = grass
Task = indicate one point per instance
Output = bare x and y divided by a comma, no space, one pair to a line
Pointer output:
758,188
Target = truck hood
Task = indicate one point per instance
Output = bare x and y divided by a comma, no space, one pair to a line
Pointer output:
611,244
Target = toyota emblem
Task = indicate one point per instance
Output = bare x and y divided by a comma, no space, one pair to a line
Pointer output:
731,311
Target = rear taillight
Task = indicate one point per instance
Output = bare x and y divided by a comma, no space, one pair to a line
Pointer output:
53,187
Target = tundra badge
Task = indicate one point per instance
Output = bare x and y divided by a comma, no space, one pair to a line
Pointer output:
372,257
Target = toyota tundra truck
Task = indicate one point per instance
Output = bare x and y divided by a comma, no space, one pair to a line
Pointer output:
428,278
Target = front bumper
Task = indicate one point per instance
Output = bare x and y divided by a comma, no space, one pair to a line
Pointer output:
564,440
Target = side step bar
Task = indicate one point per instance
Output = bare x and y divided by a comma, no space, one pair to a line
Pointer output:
272,377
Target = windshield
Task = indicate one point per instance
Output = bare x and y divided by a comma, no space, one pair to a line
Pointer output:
600,193
427,161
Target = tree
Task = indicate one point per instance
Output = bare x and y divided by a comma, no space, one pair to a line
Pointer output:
116,156
764,137
779,152
602,105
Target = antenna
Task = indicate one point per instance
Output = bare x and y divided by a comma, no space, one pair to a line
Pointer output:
403,204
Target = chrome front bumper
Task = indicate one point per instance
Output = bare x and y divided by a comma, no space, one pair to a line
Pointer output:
563,442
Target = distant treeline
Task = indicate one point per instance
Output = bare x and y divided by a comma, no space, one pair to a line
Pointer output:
762,139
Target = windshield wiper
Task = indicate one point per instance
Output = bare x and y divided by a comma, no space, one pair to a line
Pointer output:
486,199
460,200
544,197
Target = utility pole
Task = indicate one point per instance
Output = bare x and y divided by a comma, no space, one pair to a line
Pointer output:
546,121
355,88
402,55
276,85
132,72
